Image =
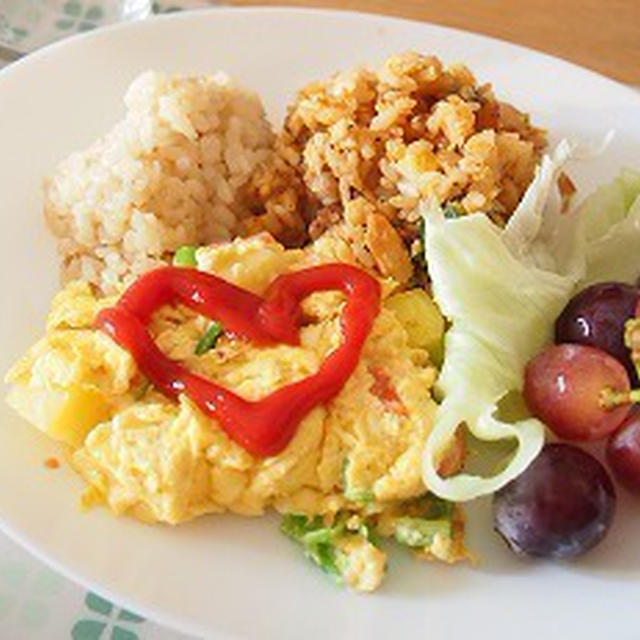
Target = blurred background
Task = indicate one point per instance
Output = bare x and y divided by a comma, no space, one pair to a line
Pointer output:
603,35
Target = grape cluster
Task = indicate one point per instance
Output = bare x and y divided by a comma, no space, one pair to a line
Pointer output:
581,388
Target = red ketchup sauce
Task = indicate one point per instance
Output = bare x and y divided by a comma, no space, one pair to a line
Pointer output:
263,427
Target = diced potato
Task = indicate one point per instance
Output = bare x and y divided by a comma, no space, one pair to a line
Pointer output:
66,415
422,319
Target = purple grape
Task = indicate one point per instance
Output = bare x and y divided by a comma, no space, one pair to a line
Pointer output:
560,507
596,317
623,452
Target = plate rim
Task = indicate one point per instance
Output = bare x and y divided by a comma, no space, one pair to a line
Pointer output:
275,9
22,538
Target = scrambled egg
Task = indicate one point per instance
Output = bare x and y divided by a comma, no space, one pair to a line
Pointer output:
147,456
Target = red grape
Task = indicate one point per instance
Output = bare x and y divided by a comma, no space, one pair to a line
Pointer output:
596,317
623,452
563,386
560,507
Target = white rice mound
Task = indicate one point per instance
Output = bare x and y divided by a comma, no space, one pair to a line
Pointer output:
170,173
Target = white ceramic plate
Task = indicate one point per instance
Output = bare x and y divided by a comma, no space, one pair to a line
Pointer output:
225,575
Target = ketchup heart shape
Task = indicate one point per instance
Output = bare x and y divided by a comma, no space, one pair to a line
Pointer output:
263,427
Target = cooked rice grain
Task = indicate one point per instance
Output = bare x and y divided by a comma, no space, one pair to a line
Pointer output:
172,172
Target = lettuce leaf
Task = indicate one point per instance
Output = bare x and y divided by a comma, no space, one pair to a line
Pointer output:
502,313
538,233
611,219
609,204
502,291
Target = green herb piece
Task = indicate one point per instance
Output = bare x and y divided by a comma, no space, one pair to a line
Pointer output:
319,537
360,495
453,210
141,391
309,531
330,546
418,532
295,525
368,531
209,338
185,257
317,540
423,519
357,494
327,557
430,507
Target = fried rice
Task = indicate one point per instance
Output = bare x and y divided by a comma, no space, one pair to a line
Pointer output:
364,147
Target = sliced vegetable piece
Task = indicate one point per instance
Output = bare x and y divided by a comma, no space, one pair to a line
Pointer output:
421,318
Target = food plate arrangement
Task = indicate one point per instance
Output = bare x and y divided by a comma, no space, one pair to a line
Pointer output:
446,211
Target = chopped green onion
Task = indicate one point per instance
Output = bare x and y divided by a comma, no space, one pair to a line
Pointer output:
185,256
435,508
327,557
360,495
321,543
356,494
453,210
141,391
418,532
209,338
369,532
295,525
316,538
298,526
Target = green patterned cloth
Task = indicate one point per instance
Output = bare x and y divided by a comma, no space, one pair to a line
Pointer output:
38,604
26,25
